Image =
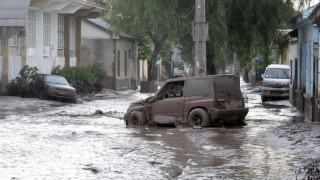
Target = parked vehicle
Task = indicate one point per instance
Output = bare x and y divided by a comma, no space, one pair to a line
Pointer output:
275,82
196,101
178,73
57,87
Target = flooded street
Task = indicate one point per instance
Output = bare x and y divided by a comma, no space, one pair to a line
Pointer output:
52,140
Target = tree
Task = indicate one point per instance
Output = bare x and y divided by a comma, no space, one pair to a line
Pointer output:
156,19
247,27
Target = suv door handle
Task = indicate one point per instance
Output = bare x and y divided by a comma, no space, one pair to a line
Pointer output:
221,100
178,103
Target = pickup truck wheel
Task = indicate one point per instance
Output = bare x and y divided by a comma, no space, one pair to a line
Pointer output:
199,117
137,118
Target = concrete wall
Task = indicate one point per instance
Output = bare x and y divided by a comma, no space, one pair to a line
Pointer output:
45,65
0,68
90,31
14,67
143,70
293,55
100,52
126,80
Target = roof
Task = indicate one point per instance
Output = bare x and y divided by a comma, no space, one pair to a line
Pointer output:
280,66
103,24
302,19
12,17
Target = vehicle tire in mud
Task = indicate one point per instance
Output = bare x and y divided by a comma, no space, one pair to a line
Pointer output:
199,117
137,118
264,98
43,95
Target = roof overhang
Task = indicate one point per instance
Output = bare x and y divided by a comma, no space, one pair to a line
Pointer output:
74,8
315,15
12,17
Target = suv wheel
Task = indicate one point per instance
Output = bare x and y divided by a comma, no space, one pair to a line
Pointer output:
137,118
199,117
264,98
43,95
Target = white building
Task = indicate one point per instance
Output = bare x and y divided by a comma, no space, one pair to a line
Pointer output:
51,37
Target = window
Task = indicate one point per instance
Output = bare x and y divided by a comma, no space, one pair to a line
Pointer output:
31,29
14,41
225,85
72,25
125,63
171,90
197,87
46,29
60,32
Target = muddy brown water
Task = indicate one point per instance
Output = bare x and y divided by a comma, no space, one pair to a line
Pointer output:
66,141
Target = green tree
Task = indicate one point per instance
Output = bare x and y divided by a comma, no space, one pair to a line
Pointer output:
159,20
247,27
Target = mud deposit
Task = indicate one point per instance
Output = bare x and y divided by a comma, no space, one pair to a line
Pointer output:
51,140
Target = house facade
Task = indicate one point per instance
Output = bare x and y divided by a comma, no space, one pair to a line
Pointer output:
114,52
315,18
50,37
303,68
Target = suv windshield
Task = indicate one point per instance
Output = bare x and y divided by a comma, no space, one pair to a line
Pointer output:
56,79
277,73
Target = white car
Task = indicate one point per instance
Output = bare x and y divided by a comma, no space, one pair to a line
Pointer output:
275,82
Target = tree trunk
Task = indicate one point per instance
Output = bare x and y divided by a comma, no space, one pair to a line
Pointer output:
211,70
152,69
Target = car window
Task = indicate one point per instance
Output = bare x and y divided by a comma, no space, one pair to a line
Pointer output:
55,79
197,87
225,84
277,73
171,90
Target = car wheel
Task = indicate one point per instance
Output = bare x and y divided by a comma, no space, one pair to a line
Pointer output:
137,118
199,117
43,95
264,98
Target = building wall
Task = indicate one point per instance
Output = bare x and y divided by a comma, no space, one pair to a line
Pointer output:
127,71
293,57
0,68
100,52
90,31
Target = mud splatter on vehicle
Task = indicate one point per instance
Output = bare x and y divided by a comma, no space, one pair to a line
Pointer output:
197,101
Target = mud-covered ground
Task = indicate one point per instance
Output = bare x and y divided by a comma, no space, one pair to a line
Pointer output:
53,140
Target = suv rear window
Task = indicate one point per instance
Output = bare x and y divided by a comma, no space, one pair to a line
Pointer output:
197,87
225,84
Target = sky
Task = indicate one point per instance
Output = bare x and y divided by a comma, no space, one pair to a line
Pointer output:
312,3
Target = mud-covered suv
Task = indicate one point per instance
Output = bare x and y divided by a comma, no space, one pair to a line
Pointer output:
196,101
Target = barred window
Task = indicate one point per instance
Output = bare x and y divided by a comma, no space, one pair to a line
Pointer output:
14,41
46,29
31,28
60,32
72,39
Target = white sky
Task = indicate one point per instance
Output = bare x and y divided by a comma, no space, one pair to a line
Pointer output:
313,2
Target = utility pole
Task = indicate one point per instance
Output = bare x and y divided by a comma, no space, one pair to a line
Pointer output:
200,36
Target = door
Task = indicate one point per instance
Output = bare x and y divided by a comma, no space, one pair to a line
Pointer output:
168,107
